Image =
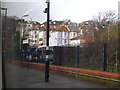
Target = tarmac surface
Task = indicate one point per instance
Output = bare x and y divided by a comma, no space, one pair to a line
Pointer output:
23,77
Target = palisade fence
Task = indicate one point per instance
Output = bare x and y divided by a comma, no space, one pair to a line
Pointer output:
13,55
102,56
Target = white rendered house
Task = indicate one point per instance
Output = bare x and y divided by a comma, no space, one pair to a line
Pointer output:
59,38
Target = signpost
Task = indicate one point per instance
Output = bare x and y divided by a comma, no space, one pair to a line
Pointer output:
25,41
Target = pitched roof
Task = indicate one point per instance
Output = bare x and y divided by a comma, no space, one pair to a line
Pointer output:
60,28
73,29
78,37
87,39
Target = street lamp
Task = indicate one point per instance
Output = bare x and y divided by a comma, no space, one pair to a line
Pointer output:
4,28
47,10
3,48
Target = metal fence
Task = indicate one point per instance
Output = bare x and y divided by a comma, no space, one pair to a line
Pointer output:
97,56
104,56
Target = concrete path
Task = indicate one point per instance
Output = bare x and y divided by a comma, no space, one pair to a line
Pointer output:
22,77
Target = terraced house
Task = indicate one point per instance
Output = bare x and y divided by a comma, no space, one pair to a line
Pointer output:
59,36
62,34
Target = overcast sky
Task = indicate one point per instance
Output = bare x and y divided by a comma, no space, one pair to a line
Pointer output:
75,10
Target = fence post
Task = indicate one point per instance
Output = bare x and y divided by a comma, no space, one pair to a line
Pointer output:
57,55
77,55
60,61
105,57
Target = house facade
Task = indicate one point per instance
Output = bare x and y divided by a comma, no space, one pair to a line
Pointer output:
61,34
74,32
32,33
33,37
77,40
59,38
81,40
42,38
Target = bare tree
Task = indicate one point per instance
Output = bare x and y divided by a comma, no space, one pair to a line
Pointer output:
106,16
105,25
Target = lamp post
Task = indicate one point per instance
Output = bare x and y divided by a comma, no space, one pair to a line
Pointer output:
3,48
47,10
4,29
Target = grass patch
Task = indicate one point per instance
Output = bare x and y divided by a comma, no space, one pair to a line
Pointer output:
111,84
